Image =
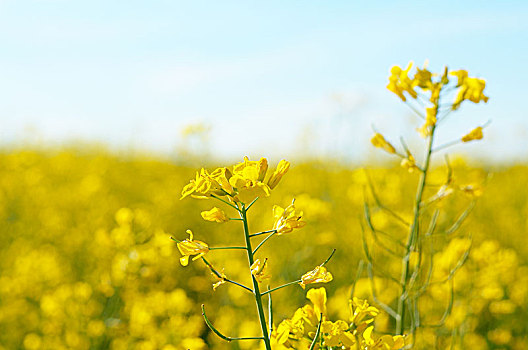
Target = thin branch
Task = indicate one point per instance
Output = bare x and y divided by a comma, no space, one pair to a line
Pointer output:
373,231
222,277
253,202
446,145
317,332
263,241
298,281
448,310
261,233
270,314
280,287
359,271
330,257
226,202
220,248
218,333
381,205
420,115
461,219
384,306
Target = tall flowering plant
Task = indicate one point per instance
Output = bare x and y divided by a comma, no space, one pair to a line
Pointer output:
239,187
433,98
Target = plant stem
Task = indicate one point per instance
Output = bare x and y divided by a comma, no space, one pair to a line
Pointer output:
413,236
256,290
280,287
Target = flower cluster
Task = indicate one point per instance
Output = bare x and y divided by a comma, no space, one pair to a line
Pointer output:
246,181
356,333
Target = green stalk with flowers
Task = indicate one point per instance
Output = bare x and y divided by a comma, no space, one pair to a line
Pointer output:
424,91
239,188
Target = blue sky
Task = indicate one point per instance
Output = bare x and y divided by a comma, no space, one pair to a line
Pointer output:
271,78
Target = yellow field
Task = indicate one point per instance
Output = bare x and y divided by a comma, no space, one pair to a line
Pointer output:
86,260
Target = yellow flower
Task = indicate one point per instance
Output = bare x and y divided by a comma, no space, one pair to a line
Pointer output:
379,141
220,179
189,247
246,181
287,219
258,270
430,122
362,313
201,184
475,134
318,298
385,342
219,275
409,163
422,78
471,89
399,82
317,275
282,168
215,215
337,334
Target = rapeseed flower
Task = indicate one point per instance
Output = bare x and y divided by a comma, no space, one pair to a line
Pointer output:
318,298
191,247
287,219
317,275
379,141
337,334
215,215
247,180
258,270
475,134
385,342
399,82
282,168
362,314
430,122
409,163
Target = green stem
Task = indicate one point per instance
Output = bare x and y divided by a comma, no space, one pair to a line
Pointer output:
413,236
226,202
263,241
218,333
220,248
280,287
258,296
262,233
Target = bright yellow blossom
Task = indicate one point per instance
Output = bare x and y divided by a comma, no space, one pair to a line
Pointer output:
219,275
409,163
379,141
201,185
475,134
282,168
317,275
430,122
287,219
362,313
318,298
399,82
246,181
215,215
385,342
190,247
337,334
258,270
471,89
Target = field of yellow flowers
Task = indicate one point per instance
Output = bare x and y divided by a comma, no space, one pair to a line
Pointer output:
86,259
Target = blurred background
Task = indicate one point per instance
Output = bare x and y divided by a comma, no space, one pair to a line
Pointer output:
107,109
276,79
